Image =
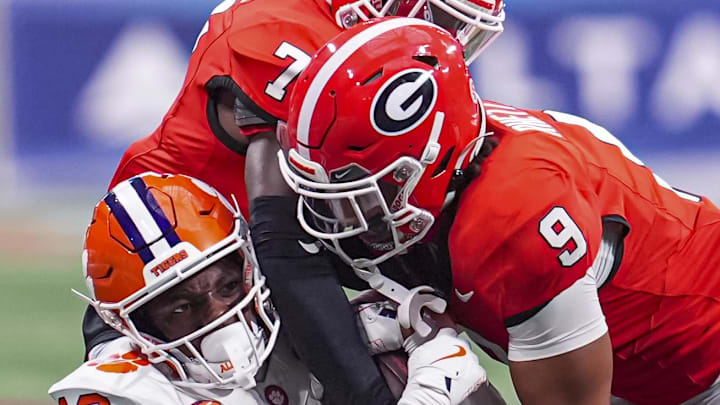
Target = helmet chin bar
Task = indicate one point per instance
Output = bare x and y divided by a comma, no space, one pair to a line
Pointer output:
400,215
251,345
231,349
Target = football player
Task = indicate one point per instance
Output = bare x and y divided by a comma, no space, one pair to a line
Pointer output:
221,129
169,265
570,259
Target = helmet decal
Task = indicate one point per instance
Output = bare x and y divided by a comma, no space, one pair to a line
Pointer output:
403,102
141,219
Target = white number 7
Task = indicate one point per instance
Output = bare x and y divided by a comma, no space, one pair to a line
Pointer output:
277,88
568,231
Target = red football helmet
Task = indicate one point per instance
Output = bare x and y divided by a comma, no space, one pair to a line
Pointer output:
149,234
474,23
380,122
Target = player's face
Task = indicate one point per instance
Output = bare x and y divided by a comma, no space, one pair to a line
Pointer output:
198,300
372,210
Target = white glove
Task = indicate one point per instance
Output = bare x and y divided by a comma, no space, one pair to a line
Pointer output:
379,320
441,371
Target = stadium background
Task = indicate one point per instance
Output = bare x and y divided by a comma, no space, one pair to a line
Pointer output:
81,79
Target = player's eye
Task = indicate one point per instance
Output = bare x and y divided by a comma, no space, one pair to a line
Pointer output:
181,309
230,288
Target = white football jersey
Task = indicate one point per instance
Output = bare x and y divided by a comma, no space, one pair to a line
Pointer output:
118,375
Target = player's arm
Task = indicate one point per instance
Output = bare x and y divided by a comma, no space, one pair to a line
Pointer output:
562,353
314,309
559,350
582,376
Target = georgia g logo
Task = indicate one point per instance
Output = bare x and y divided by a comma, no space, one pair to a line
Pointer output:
403,102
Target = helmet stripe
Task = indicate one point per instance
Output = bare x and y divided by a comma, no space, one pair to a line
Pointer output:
128,226
141,216
333,64
154,208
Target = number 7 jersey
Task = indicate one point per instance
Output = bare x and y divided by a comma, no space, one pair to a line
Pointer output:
563,214
253,48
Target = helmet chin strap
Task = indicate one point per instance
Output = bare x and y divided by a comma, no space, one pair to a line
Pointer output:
411,302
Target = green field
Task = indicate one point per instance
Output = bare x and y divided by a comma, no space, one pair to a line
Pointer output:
40,318
40,328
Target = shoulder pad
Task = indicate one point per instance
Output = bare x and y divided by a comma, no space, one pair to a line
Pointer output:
123,374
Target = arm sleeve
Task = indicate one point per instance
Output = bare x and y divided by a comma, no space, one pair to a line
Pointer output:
313,307
569,321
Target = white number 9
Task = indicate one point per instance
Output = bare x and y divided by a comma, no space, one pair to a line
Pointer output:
559,238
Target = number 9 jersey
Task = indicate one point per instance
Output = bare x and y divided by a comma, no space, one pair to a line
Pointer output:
254,49
566,236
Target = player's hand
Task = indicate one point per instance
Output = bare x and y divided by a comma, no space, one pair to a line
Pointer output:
442,371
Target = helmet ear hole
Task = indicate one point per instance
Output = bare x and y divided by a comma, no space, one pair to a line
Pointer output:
428,60
372,77
206,211
107,274
357,148
440,169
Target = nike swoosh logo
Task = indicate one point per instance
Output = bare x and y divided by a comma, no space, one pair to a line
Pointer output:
311,248
339,176
461,352
464,297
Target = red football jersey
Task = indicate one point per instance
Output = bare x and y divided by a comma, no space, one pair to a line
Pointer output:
531,226
254,48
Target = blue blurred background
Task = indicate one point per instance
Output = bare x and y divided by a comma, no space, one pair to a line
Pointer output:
81,79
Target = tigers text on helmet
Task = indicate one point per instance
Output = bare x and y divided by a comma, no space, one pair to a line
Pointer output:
475,23
380,122
153,233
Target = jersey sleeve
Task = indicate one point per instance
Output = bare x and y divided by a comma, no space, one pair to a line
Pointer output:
529,229
117,375
553,248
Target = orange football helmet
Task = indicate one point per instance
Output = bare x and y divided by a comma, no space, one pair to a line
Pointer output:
381,122
474,23
149,234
